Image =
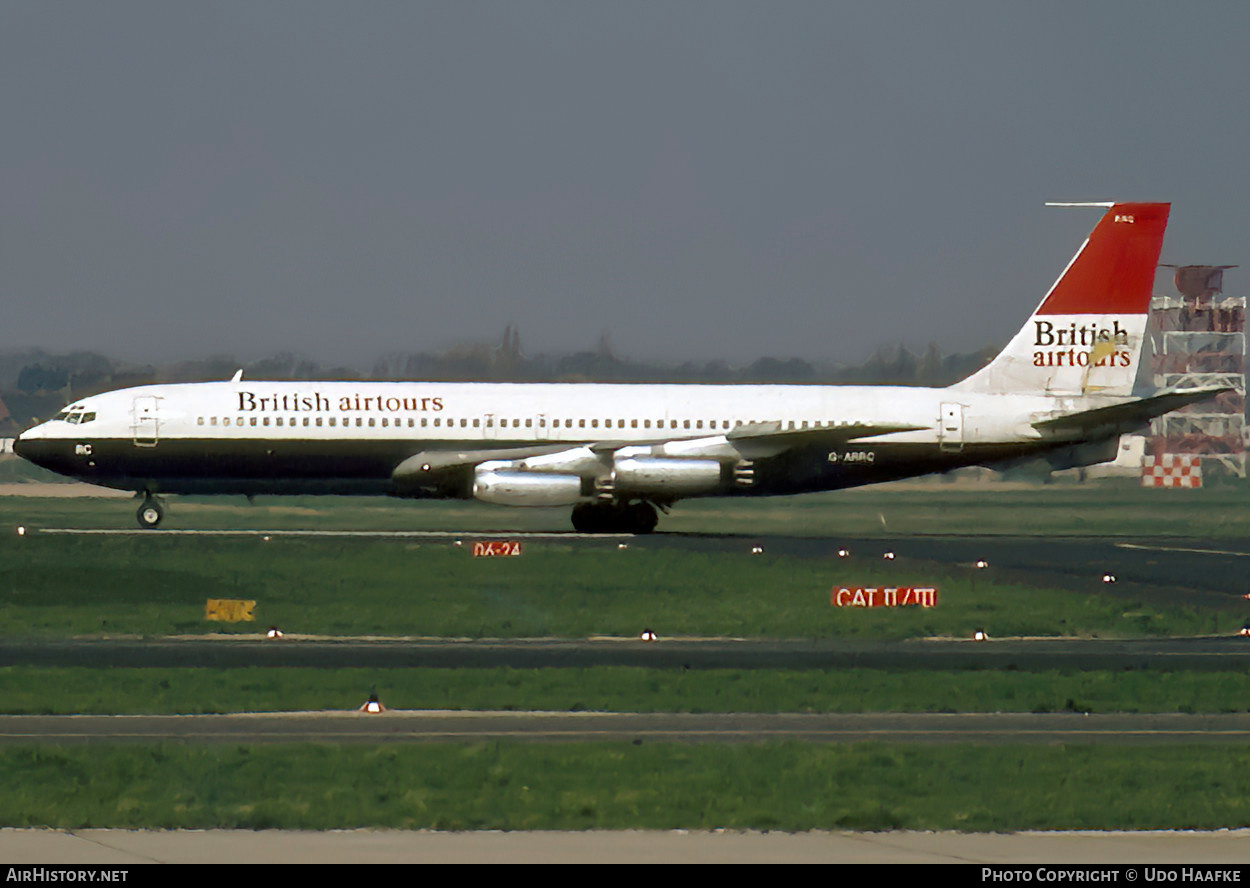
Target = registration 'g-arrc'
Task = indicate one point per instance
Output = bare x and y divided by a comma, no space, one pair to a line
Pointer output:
1061,391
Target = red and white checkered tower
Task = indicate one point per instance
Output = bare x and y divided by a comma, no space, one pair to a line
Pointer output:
1198,338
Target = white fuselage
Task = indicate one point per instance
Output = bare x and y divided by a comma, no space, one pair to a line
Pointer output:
255,436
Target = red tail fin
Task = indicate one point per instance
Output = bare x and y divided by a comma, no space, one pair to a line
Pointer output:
1087,334
1114,271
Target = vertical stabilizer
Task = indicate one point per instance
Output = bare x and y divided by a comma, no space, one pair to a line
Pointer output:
1086,336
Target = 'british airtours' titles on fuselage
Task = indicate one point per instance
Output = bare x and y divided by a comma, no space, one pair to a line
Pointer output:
250,402
1071,345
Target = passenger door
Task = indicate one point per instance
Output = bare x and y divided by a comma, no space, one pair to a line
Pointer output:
951,429
145,422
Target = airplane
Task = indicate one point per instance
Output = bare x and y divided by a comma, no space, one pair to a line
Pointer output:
1061,392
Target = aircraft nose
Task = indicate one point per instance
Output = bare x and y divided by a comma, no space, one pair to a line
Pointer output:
27,446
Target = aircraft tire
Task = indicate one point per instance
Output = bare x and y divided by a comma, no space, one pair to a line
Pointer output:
588,518
150,514
642,518
636,518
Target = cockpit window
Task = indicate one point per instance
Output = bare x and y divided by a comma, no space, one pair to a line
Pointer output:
75,415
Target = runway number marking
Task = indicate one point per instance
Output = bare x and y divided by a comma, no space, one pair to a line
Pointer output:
496,548
884,596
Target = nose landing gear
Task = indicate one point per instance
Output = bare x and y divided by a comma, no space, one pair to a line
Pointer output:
150,512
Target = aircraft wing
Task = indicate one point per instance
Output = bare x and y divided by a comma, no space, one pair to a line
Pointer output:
755,441
770,438
1132,413
429,462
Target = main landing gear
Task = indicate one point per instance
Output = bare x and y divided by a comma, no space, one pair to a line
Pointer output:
614,517
150,512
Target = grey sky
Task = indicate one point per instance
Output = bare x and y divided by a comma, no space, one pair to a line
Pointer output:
705,180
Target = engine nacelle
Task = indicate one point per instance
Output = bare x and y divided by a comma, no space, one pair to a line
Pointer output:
658,476
526,488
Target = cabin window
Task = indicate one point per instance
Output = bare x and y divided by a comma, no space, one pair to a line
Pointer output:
698,424
646,423
476,423
516,423
384,425
318,420
199,421
685,424
594,423
529,423
372,422
278,421
253,421
633,423
332,420
212,421
425,422
412,422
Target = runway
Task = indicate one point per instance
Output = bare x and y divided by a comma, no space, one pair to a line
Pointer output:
1216,654
678,846
581,727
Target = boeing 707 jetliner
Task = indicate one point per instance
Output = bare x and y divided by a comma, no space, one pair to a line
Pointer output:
1061,391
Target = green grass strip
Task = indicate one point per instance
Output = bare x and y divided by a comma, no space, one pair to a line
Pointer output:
157,584
786,786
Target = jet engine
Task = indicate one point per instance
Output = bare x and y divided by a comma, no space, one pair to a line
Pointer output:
526,488
640,476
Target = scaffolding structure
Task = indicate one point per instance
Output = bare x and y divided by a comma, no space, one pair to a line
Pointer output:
1198,338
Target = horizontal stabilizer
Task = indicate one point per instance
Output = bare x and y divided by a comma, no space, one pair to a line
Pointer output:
1131,413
